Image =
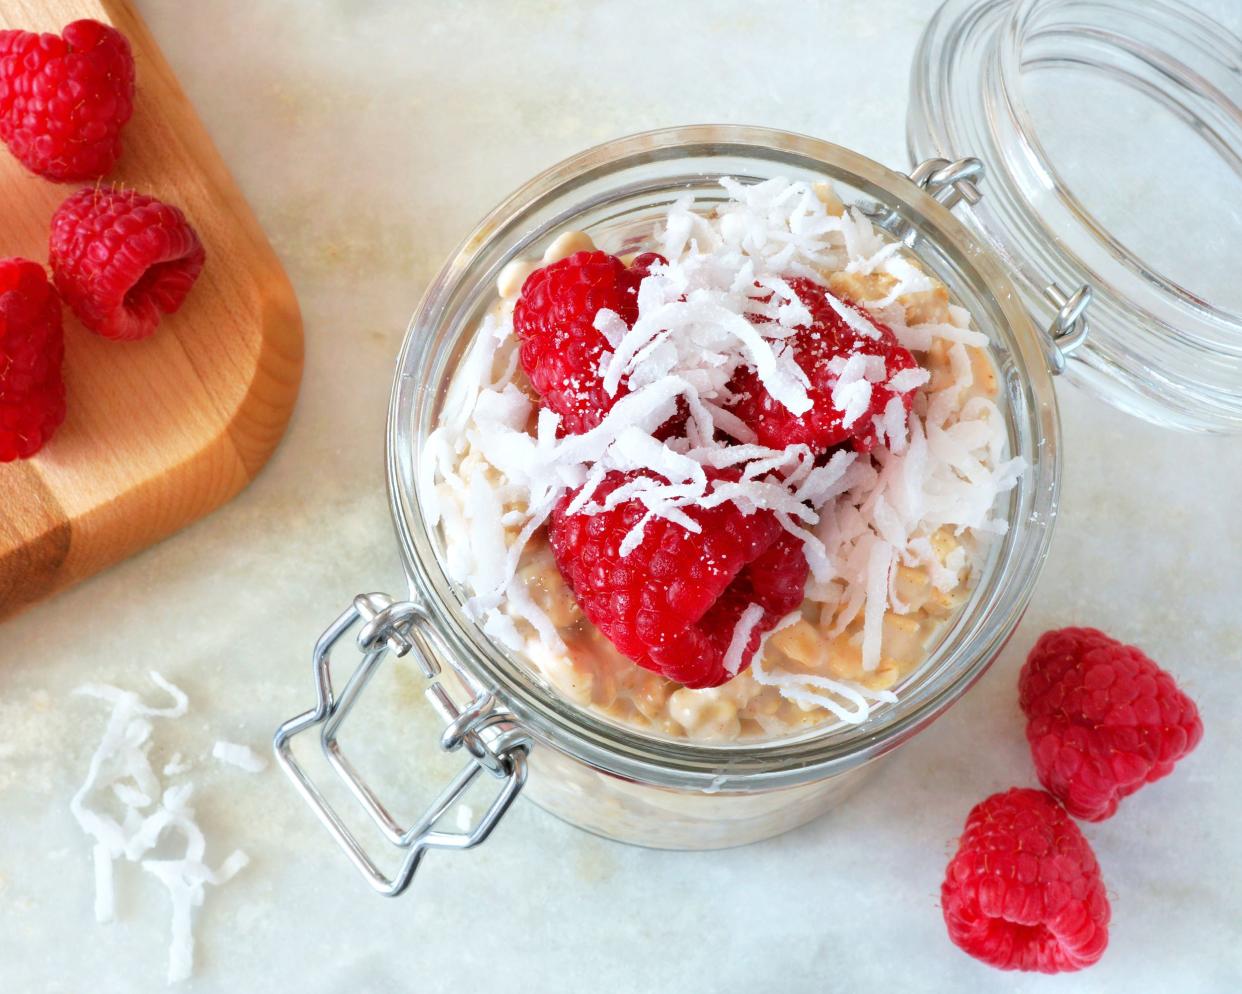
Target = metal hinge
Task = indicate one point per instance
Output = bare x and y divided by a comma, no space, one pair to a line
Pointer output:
951,182
494,742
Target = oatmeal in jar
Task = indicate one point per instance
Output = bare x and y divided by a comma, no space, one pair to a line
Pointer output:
731,486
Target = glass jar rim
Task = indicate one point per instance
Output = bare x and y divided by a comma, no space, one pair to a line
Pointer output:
964,655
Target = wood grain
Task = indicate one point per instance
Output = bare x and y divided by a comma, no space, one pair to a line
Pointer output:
158,432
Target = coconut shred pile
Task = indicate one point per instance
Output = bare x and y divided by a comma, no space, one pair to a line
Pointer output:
131,815
495,467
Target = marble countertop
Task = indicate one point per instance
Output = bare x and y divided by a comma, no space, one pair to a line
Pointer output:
369,137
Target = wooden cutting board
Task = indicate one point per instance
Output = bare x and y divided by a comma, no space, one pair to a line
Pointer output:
162,431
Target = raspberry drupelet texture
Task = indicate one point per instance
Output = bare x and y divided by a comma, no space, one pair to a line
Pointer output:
65,98
32,347
122,259
671,604
1102,719
1024,891
815,347
561,348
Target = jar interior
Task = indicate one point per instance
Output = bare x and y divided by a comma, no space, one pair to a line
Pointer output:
618,198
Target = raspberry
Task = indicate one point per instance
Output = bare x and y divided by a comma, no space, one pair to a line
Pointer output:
775,580
32,346
64,99
827,337
671,603
554,319
121,259
1102,719
1024,891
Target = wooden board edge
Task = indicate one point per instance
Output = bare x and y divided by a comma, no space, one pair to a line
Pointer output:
65,554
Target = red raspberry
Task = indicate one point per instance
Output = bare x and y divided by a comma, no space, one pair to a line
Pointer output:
671,604
561,348
32,346
815,346
64,99
775,580
1102,719
1024,891
121,259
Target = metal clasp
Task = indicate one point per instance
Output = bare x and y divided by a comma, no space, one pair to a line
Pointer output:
1069,328
494,742
951,182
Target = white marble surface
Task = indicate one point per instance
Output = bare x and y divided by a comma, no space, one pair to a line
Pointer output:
369,137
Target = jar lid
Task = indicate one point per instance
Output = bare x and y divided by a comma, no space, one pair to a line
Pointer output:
1110,138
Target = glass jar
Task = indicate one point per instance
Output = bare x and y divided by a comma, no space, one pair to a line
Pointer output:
1024,257
616,781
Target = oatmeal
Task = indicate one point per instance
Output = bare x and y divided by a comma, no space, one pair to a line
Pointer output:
731,487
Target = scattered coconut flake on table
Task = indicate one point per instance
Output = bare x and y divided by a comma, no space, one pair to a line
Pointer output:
121,767
241,756
464,817
722,302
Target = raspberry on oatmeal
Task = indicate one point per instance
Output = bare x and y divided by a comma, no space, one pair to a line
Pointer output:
731,487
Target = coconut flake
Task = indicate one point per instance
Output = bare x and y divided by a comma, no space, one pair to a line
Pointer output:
241,756
731,424
820,691
120,765
879,562
821,484
907,379
853,318
741,637
105,899
909,279
952,333
184,880
894,426
851,394
817,558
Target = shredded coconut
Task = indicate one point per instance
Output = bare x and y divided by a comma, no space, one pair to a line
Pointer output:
741,637
818,691
464,818
241,756
176,766
121,766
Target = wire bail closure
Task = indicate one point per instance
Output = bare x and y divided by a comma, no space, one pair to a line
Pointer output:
950,183
1069,328
494,742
